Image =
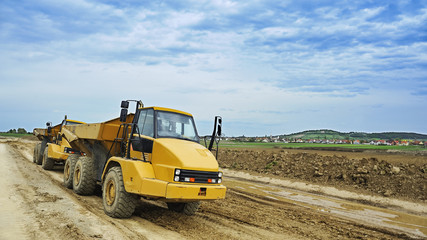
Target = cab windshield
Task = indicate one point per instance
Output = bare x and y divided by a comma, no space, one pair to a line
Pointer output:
162,124
175,125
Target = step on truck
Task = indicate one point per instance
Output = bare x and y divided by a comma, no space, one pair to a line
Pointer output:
52,147
154,153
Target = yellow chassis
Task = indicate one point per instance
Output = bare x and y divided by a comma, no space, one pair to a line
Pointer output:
56,152
139,178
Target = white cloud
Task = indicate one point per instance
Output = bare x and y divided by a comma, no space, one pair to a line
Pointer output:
286,68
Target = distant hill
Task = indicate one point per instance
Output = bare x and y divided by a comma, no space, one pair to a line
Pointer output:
331,134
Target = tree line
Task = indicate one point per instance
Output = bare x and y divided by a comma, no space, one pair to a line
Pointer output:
18,131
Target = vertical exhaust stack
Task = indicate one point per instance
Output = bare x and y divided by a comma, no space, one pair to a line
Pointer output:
216,134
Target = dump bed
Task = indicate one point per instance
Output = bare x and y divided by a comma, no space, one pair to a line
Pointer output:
82,136
42,133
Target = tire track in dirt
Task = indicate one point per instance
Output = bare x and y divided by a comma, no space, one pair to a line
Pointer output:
32,201
56,212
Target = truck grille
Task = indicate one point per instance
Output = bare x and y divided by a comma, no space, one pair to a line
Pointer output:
196,176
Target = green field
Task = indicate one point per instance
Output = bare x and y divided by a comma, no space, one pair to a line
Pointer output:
14,134
232,144
331,135
236,144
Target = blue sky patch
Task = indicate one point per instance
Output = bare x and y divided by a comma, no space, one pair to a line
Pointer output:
263,65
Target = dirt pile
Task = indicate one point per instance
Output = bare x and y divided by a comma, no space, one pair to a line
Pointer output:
405,179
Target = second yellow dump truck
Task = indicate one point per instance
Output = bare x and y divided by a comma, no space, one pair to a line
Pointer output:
154,153
53,148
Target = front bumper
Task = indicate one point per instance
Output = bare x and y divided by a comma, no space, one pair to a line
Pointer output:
194,192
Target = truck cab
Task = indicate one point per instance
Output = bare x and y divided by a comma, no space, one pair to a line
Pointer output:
164,160
168,139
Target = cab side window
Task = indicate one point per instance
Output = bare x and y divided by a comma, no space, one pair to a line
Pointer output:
146,122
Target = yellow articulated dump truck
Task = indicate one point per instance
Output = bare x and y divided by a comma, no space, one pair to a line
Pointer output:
52,148
154,153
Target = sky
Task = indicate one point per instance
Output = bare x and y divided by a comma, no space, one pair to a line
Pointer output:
266,67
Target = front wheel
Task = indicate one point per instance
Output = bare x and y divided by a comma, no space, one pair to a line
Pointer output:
186,208
117,202
47,162
69,170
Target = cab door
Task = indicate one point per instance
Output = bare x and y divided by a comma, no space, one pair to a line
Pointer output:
143,136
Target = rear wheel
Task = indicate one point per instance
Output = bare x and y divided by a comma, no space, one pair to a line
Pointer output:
47,162
84,181
39,156
117,202
186,208
36,152
69,170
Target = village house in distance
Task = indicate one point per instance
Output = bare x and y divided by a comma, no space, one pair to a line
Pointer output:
334,137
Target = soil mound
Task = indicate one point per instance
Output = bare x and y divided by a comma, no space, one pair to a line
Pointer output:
406,180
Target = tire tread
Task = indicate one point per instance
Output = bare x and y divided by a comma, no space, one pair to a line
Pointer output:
189,208
125,203
87,183
72,159
47,162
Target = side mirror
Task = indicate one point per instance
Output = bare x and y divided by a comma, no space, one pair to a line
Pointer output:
125,104
123,114
216,132
124,111
49,128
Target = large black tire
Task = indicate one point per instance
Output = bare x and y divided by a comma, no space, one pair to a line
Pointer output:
39,156
47,162
117,202
36,152
69,170
84,181
189,208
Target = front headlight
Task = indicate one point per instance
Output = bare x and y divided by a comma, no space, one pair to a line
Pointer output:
177,172
220,174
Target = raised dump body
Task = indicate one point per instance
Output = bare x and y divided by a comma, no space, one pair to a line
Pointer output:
154,153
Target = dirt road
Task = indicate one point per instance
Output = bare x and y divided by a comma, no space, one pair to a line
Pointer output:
35,205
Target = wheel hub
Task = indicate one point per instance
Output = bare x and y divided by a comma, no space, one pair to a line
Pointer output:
67,171
110,192
77,175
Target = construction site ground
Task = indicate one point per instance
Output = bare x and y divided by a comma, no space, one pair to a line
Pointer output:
272,194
